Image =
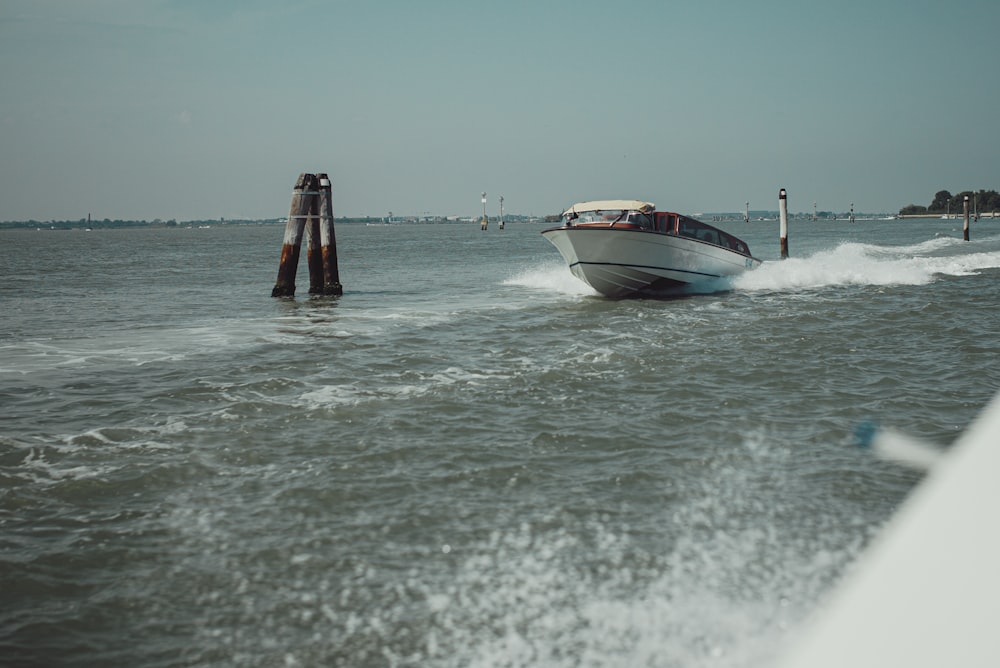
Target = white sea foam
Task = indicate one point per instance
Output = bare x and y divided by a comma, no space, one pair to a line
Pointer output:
387,388
932,245
521,597
861,264
43,471
553,278
331,396
134,348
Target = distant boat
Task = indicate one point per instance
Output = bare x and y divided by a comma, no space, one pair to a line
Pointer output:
625,248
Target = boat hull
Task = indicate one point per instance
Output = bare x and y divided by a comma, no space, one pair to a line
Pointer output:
630,262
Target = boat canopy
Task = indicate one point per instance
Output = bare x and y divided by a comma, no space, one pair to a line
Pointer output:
612,205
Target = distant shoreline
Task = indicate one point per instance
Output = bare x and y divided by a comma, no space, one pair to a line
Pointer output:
131,224
951,216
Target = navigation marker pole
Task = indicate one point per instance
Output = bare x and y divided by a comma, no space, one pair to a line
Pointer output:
485,220
965,226
783,213
501,212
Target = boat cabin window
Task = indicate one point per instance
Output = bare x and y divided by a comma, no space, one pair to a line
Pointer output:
729,241
641,219
612,217
697,230
585,217
688,227
666,222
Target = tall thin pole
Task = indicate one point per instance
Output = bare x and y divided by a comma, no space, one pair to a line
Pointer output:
501,212
965,226
485,219
783,214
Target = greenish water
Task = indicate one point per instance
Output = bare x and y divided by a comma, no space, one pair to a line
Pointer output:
468,459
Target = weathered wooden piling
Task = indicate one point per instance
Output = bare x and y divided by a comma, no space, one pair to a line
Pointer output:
965,226
783,214
328,238
302,198
314,256
311,211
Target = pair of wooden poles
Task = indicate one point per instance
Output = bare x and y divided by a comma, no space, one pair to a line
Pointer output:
311,211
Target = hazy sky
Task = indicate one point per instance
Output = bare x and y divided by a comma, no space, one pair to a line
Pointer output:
200,109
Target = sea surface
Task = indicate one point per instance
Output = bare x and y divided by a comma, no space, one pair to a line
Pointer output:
468,459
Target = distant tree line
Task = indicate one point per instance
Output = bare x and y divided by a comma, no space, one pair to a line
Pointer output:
944,202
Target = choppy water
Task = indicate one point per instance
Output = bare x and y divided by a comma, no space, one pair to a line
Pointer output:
468,459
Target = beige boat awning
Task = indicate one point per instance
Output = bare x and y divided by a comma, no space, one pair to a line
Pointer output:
612,205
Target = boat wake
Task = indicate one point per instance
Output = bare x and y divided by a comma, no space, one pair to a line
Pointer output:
523,596
863,264
551,277
848,264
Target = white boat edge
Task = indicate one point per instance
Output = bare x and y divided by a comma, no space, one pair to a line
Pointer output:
927,590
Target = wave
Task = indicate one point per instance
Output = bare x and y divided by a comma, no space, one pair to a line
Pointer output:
553,278
864,264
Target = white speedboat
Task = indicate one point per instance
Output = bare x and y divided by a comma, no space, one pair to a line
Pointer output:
625,248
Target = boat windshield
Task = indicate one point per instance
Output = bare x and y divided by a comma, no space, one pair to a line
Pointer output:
611,217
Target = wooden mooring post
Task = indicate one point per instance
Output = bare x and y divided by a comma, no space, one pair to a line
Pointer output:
314,256
328,238
312,210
